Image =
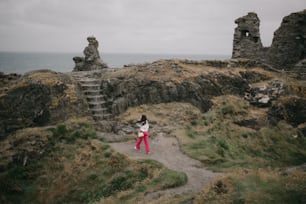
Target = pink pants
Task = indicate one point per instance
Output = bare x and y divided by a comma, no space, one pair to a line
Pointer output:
146,141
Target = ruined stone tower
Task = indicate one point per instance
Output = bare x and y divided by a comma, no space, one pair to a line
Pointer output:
247,42
288,48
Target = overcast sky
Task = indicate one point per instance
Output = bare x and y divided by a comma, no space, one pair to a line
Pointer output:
135,26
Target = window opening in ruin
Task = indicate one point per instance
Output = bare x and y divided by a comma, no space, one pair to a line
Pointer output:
245,33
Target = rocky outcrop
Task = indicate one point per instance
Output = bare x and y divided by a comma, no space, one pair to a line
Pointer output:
19,111
300,70
291,109
44,97
263,96
288,46
39,98
6,79
92,59
167,81
289,42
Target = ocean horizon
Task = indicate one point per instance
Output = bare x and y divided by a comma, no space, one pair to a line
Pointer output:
21,62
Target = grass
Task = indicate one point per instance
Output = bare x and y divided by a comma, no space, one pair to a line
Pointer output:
217,141
257,186
78,168
169,179
222,145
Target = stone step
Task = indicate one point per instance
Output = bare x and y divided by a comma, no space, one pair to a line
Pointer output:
82,78
90,73
90,85
95,106
91,88
95,98
95,103
102,116
88,80
91,81
100,110
95,87
92,92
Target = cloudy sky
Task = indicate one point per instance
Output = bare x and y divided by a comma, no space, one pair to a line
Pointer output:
134,26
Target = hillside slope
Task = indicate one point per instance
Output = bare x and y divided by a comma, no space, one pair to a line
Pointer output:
233,117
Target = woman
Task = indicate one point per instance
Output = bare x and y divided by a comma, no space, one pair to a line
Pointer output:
143,133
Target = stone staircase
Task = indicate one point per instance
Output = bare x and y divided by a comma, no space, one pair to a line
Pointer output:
90,84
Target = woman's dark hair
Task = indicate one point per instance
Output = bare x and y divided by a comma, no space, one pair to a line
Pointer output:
143,118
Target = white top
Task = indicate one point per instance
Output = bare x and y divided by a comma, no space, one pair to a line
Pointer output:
143,128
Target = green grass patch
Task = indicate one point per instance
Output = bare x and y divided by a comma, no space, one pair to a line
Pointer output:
223,145
256,189
191,133
169,179
258,186
78,168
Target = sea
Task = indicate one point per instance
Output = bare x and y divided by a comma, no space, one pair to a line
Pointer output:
22,62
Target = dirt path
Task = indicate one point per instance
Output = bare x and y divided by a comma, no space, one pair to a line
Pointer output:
166,150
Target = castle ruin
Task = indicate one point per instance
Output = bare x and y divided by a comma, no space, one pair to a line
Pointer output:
288,48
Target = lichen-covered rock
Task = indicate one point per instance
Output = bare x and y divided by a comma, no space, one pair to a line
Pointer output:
25,106
289,42
6,79
254,77
263,96
39,98
300,70
291,109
